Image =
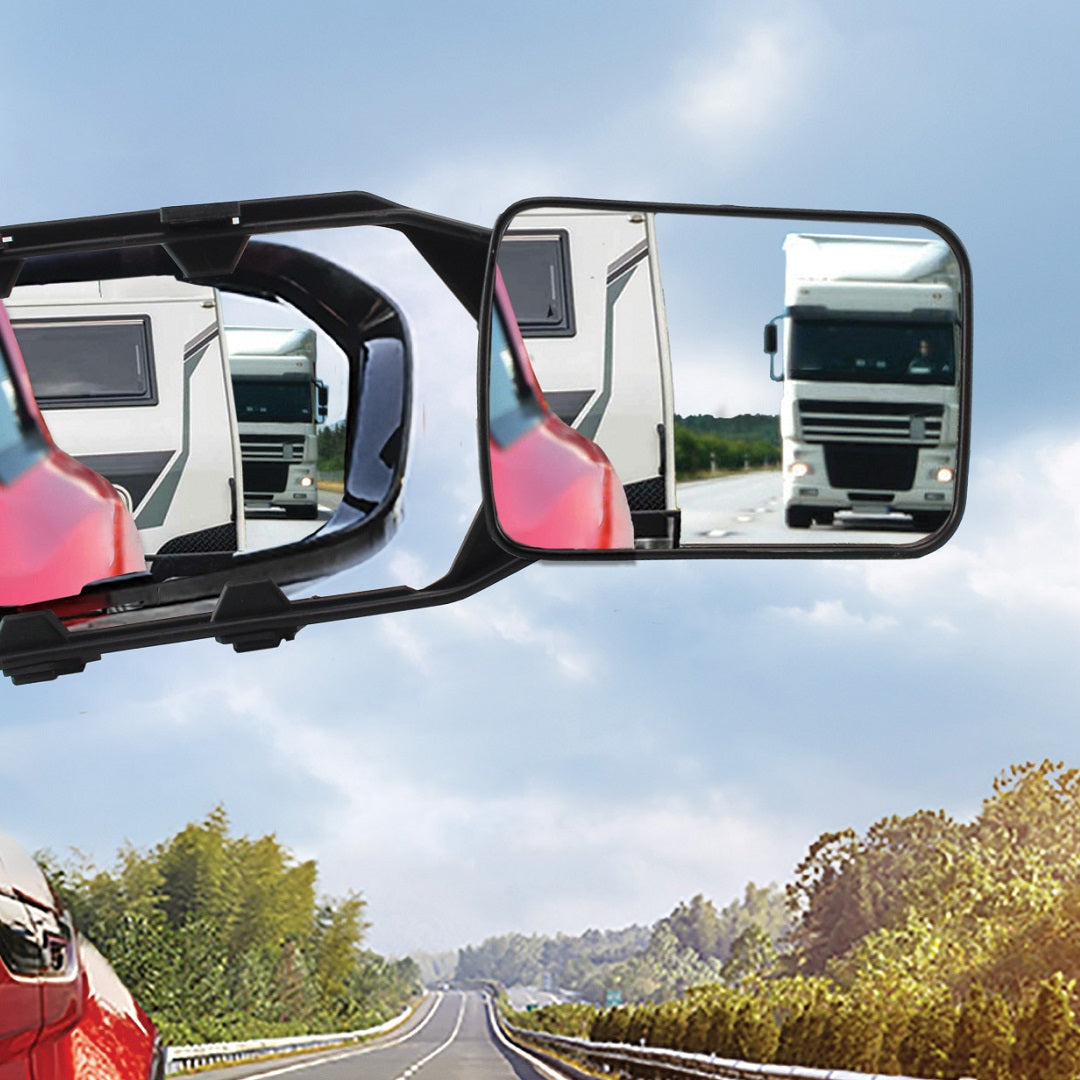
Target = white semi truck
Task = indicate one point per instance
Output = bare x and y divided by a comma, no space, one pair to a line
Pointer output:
132,380
586,290
279,404
869,413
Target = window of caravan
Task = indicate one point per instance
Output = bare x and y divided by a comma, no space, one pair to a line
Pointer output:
82,363
535,267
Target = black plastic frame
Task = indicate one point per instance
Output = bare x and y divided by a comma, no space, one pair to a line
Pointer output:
206,243
802,550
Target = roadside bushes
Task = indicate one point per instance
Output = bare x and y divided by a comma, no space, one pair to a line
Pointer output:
813,1023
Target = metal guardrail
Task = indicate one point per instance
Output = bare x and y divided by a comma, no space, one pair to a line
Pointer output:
655,1063
181,1058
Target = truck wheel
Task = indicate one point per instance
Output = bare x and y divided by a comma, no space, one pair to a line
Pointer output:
797,517
823,517
306,513
929,520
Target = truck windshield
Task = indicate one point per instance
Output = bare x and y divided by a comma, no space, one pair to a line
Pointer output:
872,350
274,400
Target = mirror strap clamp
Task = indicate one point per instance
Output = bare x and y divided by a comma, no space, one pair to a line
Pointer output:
252,599
29,631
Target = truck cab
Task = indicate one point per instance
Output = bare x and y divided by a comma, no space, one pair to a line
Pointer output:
870,407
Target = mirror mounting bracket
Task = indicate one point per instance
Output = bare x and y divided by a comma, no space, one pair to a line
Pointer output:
208,258
31,630
251,600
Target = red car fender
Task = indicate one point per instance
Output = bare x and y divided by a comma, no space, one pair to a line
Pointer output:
66,1016
113,1038
554,488
62,525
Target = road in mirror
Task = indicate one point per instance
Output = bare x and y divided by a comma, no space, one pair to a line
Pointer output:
644,335
218,419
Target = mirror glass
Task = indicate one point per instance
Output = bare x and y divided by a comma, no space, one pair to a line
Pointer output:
186,418
634,404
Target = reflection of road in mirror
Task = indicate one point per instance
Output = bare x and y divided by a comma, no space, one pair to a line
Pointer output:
267,528
748,508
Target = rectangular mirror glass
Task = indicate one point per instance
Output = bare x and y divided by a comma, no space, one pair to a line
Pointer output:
691,381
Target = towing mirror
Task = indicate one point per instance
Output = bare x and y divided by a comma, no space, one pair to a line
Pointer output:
165,472
627,409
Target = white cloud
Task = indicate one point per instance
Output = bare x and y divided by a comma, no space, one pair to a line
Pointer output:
738,89
833,614
443,868
1015,553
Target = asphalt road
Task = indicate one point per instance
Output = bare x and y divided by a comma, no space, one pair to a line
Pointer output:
270,528
448,1038
747,508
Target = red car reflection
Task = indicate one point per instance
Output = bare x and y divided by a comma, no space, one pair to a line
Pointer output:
61,524
64,1015
553,488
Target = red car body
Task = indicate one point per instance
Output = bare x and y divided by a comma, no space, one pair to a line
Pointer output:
64,1014
61,524
553,488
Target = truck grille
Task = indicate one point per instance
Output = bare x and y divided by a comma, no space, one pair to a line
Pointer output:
870,421
869,466
264,478
271,448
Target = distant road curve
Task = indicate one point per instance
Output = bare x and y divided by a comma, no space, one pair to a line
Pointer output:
448,1038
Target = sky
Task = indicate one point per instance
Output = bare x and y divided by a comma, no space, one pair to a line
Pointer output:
582,745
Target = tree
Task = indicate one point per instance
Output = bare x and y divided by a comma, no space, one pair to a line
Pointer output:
1047,1043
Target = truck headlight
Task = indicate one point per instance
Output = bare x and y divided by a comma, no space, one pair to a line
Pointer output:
800,468
945,475
306,481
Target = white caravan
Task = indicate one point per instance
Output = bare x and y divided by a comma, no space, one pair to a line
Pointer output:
870,406
132,379
279,404
585,285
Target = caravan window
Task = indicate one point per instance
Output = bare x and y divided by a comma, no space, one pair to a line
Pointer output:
80,363
536,269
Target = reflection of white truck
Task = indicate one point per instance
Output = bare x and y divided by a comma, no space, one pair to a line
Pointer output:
585,285
279,404
870,411
132,380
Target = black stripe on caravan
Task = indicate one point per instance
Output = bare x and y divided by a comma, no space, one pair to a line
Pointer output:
626,262
156,510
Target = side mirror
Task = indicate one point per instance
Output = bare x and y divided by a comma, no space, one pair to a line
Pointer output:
624,407
164,475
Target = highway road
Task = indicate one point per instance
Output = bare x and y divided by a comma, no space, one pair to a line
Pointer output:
269,528
448,1038
747,508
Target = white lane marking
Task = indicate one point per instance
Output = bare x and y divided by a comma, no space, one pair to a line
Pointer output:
311,1064
439,1049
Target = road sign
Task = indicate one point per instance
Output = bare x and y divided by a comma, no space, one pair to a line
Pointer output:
614,997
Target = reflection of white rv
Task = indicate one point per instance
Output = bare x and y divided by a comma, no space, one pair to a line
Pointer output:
585,285
279,403
132,380
870,408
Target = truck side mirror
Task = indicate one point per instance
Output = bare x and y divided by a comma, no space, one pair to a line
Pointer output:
770,338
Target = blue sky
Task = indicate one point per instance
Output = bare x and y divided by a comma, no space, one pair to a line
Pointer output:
581,745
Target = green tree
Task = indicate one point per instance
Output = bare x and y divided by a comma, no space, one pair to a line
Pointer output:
1047,1043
